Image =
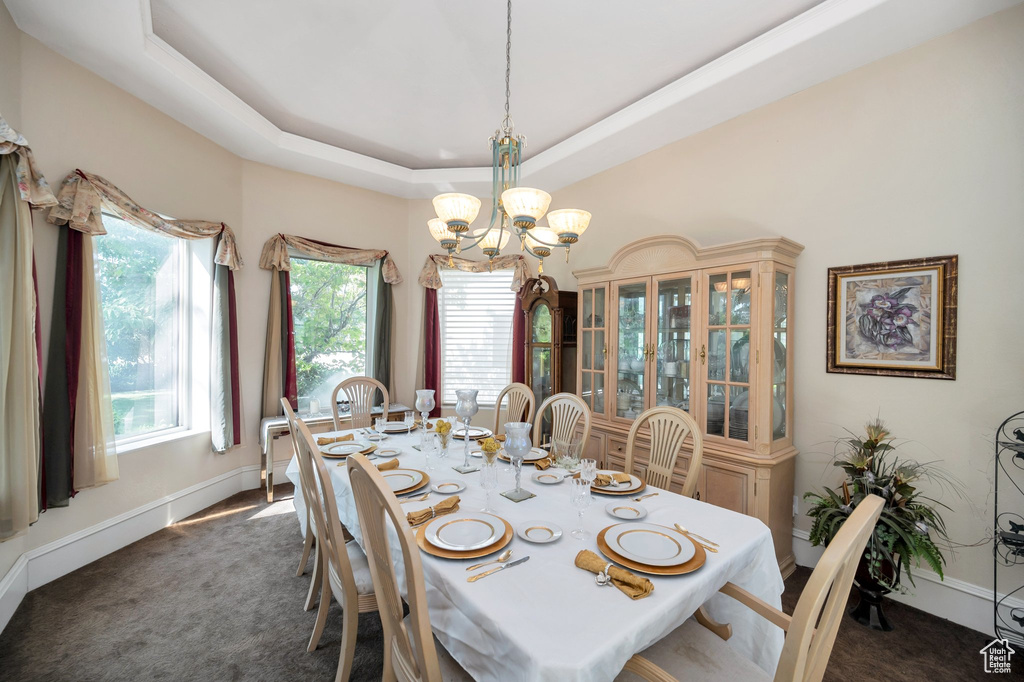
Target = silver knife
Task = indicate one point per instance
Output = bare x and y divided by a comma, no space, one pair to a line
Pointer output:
507,564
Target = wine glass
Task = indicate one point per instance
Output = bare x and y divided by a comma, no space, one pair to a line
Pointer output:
517,445
410,419
379,425
425,403
488,481
430,446
579,496
588,470
465,407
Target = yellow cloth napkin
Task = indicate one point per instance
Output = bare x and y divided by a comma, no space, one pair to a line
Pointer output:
542,464
327,440
500,439
631,585
448,506
604,480
385,466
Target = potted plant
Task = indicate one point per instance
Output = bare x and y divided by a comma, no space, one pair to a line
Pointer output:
907,533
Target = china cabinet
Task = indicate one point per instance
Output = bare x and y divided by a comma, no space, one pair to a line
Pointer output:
705,330
550,337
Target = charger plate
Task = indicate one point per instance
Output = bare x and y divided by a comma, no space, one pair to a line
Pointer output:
325,449
650,544
636,485
464,531
475,433
394,473
397,427
421,540
698,559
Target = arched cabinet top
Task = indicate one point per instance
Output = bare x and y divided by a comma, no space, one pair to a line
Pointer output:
672,253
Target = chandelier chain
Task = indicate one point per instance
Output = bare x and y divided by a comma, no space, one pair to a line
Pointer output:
507,123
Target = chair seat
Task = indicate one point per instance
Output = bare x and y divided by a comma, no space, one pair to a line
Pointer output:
360,568
451,671
691,652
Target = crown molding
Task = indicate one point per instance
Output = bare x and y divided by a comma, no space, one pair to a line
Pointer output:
115,40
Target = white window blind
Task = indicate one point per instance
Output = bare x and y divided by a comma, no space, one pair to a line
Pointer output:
475,310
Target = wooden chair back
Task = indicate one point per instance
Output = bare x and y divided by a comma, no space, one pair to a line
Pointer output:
360,392
567,410
669,428
409,652
305,465
324,506
520,406
818,613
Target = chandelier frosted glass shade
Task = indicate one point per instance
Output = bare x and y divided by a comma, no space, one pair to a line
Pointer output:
457,210
525,205
568,224
493,241
439,231
540,240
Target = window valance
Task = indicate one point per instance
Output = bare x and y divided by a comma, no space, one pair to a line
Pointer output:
430,276
83,197
275,255
32,186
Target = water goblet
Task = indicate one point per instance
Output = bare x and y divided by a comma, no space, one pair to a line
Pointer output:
410,419
588,470
430,446
488,481
517,445
425,403
579,496
379,425
465,407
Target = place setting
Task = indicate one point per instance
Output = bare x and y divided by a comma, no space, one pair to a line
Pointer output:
340,447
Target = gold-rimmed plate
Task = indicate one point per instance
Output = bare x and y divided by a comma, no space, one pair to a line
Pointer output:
411,479
464,531
532,456
397,427
635,485
475,433
695,562
649,544
421,540
627,510
540,532
343,449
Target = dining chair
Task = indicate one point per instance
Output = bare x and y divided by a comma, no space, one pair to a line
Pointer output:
345,573
309,534
520,406
360,392
669,427
411,652
567,409
692,652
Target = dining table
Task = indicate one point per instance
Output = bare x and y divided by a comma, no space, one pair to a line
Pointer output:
546,619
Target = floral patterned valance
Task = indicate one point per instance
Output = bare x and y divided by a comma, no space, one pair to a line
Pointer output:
32,186
276,256
83,196
430,276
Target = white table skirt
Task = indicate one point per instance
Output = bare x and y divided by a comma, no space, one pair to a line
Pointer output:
547,619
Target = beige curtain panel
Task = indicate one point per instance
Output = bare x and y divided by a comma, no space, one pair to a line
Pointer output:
275,255
430,276
31,185
83,196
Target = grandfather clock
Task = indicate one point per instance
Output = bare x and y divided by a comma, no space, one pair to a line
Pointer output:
550,337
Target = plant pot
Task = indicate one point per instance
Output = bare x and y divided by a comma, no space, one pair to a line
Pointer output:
868,610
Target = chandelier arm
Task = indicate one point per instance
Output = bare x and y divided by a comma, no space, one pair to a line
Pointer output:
523,233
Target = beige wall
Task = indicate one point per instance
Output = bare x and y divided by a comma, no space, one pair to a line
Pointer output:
920,154
10,69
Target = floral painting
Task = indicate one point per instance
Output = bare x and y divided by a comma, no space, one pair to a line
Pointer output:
896,318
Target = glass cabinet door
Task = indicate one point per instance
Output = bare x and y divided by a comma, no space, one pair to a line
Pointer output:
632,348
780,348
671,364
726,356
593,346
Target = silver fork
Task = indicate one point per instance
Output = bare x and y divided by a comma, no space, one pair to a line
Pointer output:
420,498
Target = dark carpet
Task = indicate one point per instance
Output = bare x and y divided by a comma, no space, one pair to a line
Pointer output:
215,597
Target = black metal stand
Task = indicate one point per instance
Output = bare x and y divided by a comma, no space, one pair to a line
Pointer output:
1008,568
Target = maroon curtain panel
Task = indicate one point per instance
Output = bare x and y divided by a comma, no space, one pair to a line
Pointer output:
40,467
236,391
519,341
432,348
291,389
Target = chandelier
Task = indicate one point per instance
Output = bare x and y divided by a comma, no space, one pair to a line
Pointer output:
514,209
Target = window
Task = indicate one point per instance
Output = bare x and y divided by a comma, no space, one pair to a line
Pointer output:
333,332
144,290
475,310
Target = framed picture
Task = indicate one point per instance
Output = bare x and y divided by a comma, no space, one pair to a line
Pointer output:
893,319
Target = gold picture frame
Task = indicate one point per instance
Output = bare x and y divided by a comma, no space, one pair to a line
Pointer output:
896,318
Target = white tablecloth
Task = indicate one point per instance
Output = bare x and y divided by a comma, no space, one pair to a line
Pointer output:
547,619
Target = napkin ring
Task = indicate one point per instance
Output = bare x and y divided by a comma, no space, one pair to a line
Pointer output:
603,578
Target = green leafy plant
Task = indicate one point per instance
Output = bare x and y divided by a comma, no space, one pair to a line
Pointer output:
910,528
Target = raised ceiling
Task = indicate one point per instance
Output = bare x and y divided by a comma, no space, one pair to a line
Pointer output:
401,96
421,83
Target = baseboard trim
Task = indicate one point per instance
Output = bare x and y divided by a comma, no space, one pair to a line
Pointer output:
955,600
41,565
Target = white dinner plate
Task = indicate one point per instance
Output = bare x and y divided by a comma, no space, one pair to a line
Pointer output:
548,477
628,510
532,456
650,544
476,453
539,532
447,487
464,531
345,448
400,479
634,484
396,427
474,432
388,452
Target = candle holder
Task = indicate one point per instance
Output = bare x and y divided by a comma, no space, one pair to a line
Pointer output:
517,444
465,407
